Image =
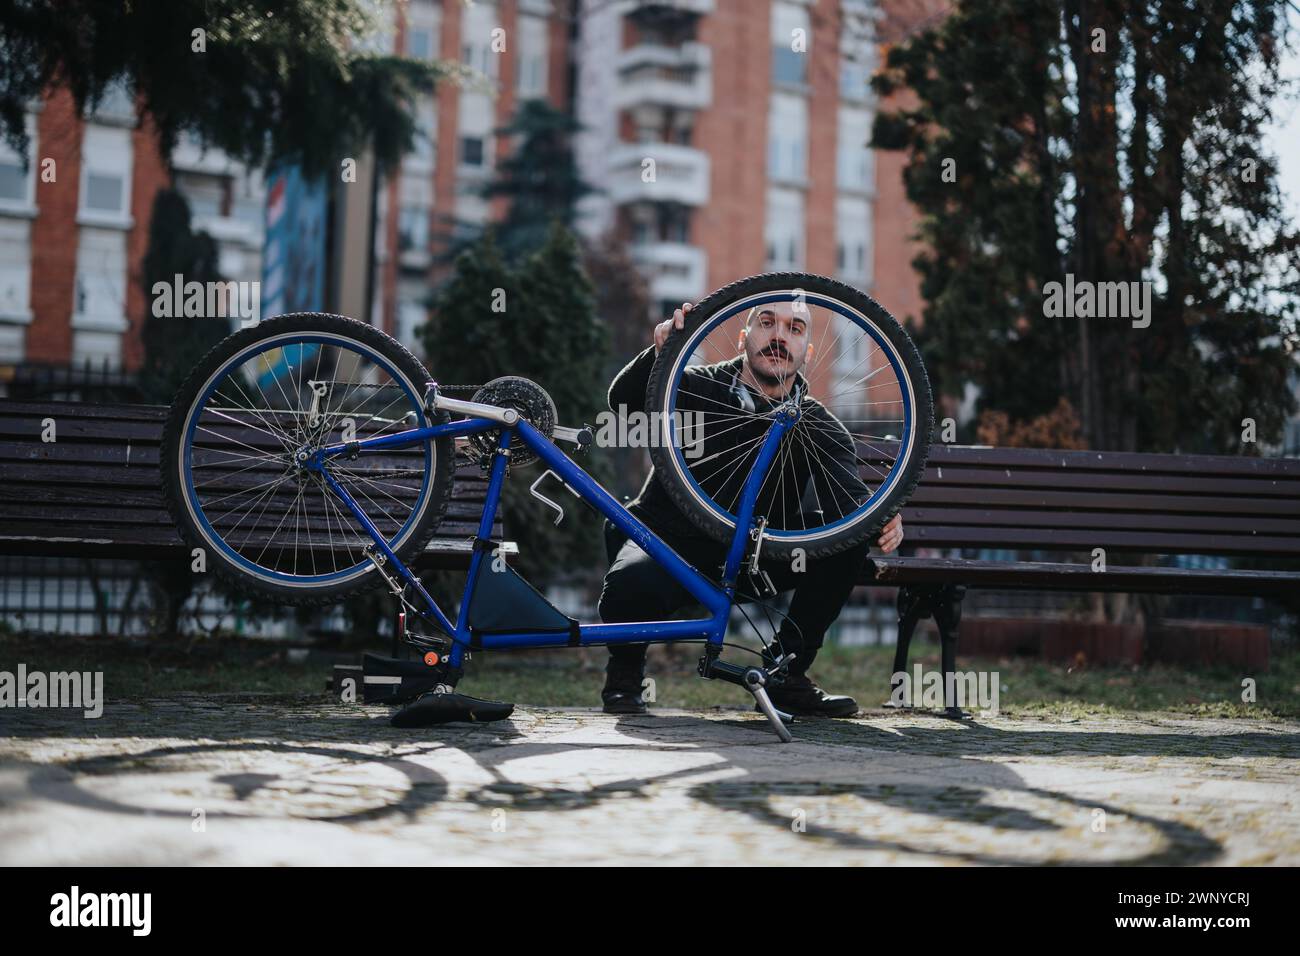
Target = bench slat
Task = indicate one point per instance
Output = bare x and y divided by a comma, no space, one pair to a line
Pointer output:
96,489
894,571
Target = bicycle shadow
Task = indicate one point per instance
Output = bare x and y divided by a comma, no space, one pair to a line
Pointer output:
929,773
732,765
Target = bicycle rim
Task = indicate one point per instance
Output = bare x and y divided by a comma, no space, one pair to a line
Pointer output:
242,437
856,437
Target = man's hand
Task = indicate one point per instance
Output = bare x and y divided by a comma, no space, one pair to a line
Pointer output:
667,325
891,535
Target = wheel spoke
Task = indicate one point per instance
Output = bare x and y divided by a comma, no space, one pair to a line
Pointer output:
243,459
855,431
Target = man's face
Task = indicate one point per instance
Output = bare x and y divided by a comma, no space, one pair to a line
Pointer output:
776,343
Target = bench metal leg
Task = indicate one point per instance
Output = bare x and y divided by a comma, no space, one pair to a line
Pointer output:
943,603
947,615
910,611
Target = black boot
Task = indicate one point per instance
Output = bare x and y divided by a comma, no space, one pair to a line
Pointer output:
799,696
622,692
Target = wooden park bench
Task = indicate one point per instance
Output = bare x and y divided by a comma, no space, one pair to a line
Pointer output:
1132,506
95,492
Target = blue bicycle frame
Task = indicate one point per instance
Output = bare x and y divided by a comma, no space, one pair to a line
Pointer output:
716,599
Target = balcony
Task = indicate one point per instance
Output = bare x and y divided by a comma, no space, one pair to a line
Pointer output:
681,174
651,74
667,8
675,271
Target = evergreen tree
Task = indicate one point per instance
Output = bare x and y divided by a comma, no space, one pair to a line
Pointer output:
540,177
173,345
536,320
1117,141
537,174
282,81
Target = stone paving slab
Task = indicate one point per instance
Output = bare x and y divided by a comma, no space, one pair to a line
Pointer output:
247,780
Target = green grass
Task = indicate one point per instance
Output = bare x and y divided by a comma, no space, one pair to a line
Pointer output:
574,678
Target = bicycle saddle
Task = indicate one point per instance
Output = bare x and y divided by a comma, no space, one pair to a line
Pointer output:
446,708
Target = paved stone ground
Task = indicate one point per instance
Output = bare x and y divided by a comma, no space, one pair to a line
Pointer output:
257,781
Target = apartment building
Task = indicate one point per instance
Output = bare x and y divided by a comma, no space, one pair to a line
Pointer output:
519,50
74,228
74,223
756,115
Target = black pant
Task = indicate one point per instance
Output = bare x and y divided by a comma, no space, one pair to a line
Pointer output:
637,588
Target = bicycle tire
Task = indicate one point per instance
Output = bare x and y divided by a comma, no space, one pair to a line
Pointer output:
706,516
439,462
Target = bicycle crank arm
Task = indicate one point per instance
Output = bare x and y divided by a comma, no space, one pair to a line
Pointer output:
506,416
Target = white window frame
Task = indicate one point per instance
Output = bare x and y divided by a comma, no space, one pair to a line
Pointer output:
106,150
16,234
26,205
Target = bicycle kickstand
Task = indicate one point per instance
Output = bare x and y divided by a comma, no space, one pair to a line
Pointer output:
754,680
756,684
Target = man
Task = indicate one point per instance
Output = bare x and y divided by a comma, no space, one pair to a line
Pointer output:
774,345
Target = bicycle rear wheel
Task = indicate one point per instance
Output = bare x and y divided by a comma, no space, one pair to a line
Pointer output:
237,430
775,341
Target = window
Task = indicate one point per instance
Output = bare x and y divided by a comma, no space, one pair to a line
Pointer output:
784,229
477,23
15,269
17,183
787,134
419,43
790,67
13,182
106,172
856,65
411,314
853,238
676,224
853,169
100,293
413,228
531,69
116,104
423,143
471,151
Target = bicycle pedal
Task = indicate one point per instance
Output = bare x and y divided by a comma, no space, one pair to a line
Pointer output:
386,680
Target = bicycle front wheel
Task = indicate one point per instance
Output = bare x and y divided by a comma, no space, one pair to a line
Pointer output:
259,404
769,344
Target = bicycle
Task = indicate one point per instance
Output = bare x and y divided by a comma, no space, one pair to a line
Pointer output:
336,441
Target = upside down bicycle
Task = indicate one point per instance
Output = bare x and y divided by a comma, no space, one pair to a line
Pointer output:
312,456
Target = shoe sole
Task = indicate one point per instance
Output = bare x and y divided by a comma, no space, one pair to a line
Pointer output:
838,715
623,709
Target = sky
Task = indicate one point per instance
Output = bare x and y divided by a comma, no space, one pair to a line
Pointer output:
1285,135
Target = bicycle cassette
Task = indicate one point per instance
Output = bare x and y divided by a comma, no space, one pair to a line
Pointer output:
526,397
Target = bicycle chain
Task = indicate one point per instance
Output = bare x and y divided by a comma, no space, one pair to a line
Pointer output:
441,388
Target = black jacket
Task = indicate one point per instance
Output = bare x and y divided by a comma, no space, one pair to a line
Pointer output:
815,478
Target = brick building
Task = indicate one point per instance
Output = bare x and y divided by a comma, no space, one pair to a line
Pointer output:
760,148
757,114
74,223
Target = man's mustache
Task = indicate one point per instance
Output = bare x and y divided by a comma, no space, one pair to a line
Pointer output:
776,351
